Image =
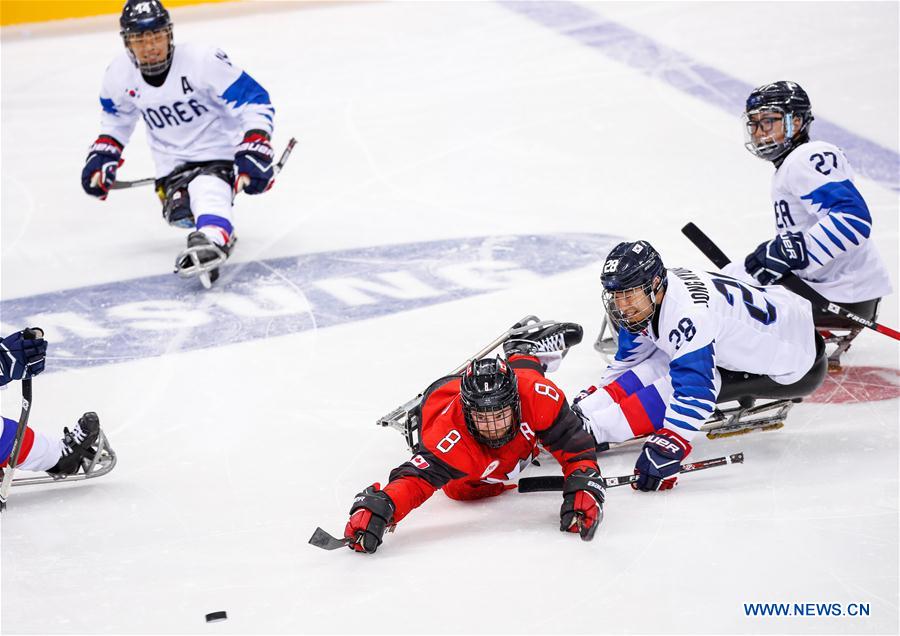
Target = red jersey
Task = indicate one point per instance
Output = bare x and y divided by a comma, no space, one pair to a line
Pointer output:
449,456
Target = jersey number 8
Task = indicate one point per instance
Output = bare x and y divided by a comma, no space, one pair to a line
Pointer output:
449,441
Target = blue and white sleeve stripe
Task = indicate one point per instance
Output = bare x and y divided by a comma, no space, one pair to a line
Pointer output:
694,390
633,348
250,103
847,225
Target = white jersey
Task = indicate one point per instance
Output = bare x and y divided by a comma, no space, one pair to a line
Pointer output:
709,320
813,192
200,113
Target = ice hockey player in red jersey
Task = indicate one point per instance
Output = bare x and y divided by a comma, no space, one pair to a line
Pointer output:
478,431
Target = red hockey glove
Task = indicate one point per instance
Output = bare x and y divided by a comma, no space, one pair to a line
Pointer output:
582,508
370,515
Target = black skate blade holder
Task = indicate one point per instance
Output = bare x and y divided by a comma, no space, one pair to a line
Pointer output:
197,267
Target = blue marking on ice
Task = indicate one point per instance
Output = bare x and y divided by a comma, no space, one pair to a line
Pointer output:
713,86
158,315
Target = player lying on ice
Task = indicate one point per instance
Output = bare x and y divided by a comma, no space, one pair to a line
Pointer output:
479,430
686,342
196,106
22,356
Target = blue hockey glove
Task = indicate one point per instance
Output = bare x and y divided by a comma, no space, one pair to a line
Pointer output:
99,172
22,355
660,460
253,170
773,259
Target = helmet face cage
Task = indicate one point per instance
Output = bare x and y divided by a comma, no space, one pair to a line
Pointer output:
490,399
633,275
766,147
784,100
150,68
140,20
641,304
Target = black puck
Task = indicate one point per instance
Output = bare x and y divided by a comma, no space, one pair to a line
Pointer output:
214,617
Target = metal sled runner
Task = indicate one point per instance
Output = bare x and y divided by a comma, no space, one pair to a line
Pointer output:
104,461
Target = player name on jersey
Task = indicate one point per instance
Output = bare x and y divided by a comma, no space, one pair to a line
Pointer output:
155,315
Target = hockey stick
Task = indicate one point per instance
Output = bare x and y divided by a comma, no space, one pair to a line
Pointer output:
17,444
554,483
548,483
792,282
322,539
121,185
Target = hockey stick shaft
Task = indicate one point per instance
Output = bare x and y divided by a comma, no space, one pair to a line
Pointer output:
17,444
496,342
387,420
554,483
285,155
696,236
121,185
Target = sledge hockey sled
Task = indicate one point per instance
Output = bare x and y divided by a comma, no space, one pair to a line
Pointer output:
406,418
104,460
747,388
841,331
189,265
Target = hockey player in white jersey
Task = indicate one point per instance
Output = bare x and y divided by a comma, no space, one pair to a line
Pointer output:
823,226
678,329
208,123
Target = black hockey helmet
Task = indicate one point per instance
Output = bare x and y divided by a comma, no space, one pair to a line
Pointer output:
489,387
787,99
146,16
632,272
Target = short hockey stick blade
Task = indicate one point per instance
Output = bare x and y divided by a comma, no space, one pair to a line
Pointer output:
696,236
322,539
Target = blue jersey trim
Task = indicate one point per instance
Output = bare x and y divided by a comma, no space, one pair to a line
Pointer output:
627,345
833,238
825,249
696,366
706,406
681,410
843,229
7,438
211,219
108,106
681,424
245,90
864,229
840,196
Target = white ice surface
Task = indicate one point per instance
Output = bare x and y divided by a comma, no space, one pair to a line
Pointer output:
420,122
